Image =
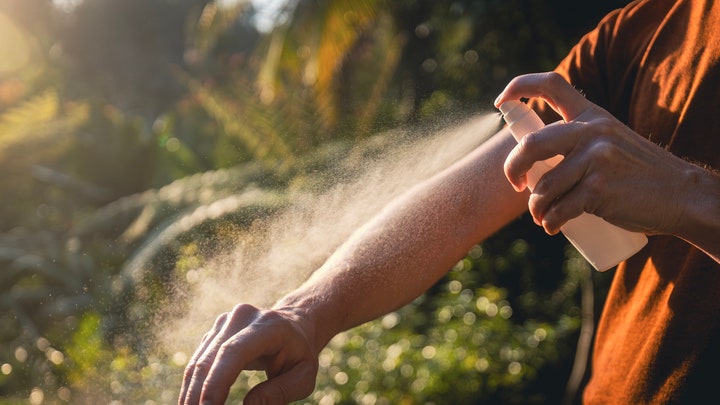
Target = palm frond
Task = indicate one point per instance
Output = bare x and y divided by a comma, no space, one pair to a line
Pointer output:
37,110
242,122
247,207
130,218
213,22
313,46
38,126
342,25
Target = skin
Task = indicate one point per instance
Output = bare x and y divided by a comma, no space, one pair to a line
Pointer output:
608,170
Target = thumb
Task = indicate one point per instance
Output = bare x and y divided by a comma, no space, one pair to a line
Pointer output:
296,384
267,393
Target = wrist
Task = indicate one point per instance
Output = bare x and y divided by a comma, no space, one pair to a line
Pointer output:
305,313
700,222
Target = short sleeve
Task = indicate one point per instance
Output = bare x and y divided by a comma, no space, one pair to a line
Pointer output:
603,65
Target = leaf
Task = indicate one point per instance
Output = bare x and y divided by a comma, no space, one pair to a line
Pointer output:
213,22
31,114
245,122
326,32
37,126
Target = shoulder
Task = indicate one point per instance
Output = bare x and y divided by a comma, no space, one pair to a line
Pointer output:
620,37
603,64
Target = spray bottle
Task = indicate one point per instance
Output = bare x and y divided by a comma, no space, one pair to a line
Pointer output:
603,244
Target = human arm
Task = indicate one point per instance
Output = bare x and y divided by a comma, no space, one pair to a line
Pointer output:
610,171
384,265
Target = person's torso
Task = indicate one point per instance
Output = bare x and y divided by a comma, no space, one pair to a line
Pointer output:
658,340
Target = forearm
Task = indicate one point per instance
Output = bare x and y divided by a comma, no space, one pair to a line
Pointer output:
411,244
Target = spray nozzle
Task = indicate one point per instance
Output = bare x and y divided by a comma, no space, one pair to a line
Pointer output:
513,111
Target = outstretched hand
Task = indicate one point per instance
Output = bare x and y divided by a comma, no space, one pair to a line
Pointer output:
608,170
248,338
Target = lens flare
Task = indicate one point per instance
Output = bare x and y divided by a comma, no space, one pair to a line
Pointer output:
14,47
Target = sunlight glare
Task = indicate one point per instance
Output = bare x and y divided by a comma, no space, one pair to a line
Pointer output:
14,47
66,5
267,11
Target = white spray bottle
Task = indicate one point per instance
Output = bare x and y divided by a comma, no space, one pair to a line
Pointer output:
603,244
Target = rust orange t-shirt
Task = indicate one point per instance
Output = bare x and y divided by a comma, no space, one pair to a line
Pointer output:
655,65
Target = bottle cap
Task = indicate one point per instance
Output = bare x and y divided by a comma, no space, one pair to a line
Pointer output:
513,110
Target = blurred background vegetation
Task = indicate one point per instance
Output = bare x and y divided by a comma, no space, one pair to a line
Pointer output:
137,137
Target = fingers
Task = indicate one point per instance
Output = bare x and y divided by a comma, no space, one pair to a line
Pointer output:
548,143
203,360
232,358
559,195
558,198
190,368
250,338
551,87
294,384
229,360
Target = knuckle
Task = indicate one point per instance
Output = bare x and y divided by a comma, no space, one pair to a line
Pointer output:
209,334
228,347
203,365
554,212
514,81
272,318
222,318
560,213
189,371
242,309
545,183
534,205
603,151
555,79
551,222
241,312
520,157
595,185
219,322
604,125
528,142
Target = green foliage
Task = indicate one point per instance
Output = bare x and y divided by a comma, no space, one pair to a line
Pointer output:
32,133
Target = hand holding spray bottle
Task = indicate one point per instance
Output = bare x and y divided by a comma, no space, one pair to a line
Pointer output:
603,244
